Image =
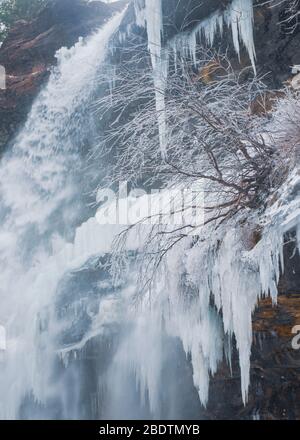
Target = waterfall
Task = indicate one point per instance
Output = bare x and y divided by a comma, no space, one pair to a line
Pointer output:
42,191
75,347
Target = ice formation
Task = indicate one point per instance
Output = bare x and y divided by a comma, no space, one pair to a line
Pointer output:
40,204
150,14
238,17
226,268
154,23
2,78
231,274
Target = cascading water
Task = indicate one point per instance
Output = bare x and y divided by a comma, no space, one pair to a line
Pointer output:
65,355
62,316
42,200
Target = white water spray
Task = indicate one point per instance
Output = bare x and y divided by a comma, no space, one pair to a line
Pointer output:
41,185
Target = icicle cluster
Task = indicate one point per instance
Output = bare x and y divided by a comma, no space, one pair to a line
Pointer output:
238,17
206,294
201,308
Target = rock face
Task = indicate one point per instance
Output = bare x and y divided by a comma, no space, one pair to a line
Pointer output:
29,52
280,48
275,365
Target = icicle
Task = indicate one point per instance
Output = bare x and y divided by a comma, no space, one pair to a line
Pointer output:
232,277
238,17
150,13
236,278
154,20
160,74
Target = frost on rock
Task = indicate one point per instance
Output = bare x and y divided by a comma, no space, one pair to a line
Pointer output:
238,17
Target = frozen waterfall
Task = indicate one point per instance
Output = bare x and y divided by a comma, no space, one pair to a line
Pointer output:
80,344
